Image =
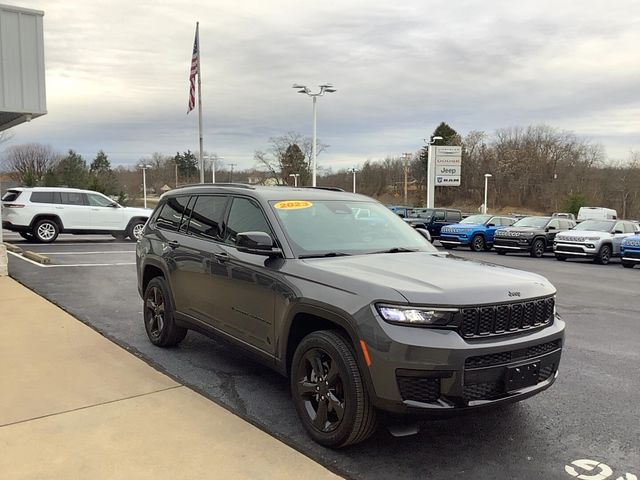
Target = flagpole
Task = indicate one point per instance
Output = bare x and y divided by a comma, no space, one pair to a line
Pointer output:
200,103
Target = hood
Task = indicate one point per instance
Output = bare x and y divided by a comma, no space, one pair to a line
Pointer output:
632,241
582,235
432,278
145,212
462,227
513,231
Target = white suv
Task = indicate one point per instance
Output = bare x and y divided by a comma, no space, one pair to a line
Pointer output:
41,213
596,239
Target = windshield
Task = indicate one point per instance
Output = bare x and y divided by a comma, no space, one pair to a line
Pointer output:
476,219
596,225
537,222
422,213
329,227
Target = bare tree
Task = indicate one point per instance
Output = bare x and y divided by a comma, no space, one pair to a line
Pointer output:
29,163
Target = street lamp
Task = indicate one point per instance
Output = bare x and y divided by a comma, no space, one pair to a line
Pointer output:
295,178
431,187
326,88
353,170
486,182
144,167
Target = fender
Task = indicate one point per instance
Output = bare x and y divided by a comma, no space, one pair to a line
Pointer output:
48,216
156,262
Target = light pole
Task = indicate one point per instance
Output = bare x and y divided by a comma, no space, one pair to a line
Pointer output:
354,171
213,159
295,178
144,168
486,183
326,88
431,187
231,174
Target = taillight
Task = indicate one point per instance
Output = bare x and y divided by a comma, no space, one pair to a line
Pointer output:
13,205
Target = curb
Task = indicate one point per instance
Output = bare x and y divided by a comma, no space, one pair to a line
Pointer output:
36,257
12,248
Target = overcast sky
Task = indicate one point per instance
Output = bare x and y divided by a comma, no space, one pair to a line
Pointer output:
117,73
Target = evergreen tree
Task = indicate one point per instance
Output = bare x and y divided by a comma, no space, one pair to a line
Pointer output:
293,161
187,164
102,178
71,171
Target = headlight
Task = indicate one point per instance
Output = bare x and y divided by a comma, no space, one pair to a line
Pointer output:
417,316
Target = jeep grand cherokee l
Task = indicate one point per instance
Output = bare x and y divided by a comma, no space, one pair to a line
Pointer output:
41,213
361,317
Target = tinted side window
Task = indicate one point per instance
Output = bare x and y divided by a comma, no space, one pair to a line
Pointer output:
554,224
42,197
96,200
206,217
73,198
245,216
454,216
507,222
439,215
629,228
171,214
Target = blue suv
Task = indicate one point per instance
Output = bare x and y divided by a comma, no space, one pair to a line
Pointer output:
475,232
630,251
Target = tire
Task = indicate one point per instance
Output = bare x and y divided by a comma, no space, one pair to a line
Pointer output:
157,311
119,236
627,264
46,230
561,258
328,353
26,235
604,255
448,247
477,243
537,248
134,230
501,252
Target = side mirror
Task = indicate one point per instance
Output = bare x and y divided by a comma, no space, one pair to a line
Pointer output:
257,243
618,231
491,224
425,233
114,205
550,227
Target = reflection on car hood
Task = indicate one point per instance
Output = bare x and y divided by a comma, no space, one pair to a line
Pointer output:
439,279
581,235
145,212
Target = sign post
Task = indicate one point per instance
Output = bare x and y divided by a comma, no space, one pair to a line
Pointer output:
445,167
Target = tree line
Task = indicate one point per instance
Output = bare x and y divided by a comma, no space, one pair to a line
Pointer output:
536,168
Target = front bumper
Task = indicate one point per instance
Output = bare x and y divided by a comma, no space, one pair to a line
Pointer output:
574,249
452,239
629,255
15,228
423,370
512,244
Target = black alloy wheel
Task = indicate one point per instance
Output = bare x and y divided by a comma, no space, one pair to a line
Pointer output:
604,255
501,252
328,391
561,258
158,315
477,243
537,249
626,264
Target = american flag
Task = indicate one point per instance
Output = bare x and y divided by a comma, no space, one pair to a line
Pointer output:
195,70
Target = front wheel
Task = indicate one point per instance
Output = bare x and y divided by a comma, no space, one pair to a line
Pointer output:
448,247
626,264
135,229
537,249
477,243
501,252
560,258
328,391
604,255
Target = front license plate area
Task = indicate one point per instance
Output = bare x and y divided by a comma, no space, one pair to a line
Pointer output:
522,376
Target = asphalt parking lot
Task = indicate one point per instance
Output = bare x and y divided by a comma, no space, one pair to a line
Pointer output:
592,413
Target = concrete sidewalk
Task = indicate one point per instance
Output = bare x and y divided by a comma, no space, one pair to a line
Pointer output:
75,405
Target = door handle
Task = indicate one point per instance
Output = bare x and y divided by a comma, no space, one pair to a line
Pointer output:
173,243
60,208
221,257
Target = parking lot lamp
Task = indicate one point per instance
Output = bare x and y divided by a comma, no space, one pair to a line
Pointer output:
353,170
326,88
144,167
295,178
486,183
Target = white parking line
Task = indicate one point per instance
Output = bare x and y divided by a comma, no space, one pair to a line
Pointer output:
86,253
117,264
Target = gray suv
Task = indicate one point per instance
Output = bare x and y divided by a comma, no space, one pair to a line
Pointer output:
362,314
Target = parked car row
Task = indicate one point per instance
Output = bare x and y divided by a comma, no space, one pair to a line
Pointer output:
599,240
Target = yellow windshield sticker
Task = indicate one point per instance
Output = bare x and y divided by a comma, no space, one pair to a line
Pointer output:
293,205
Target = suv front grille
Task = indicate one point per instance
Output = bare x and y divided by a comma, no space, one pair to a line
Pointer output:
569,248
510,318
632,254
419,389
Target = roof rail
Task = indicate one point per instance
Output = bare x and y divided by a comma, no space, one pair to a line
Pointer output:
219,184
332,189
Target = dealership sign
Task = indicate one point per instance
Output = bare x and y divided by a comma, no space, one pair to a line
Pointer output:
448,166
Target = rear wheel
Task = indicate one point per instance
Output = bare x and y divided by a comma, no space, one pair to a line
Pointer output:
46,230
477,243
537,249
604,255
158,315
328,391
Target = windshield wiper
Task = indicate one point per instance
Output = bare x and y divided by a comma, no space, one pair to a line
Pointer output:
394,250
328,254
